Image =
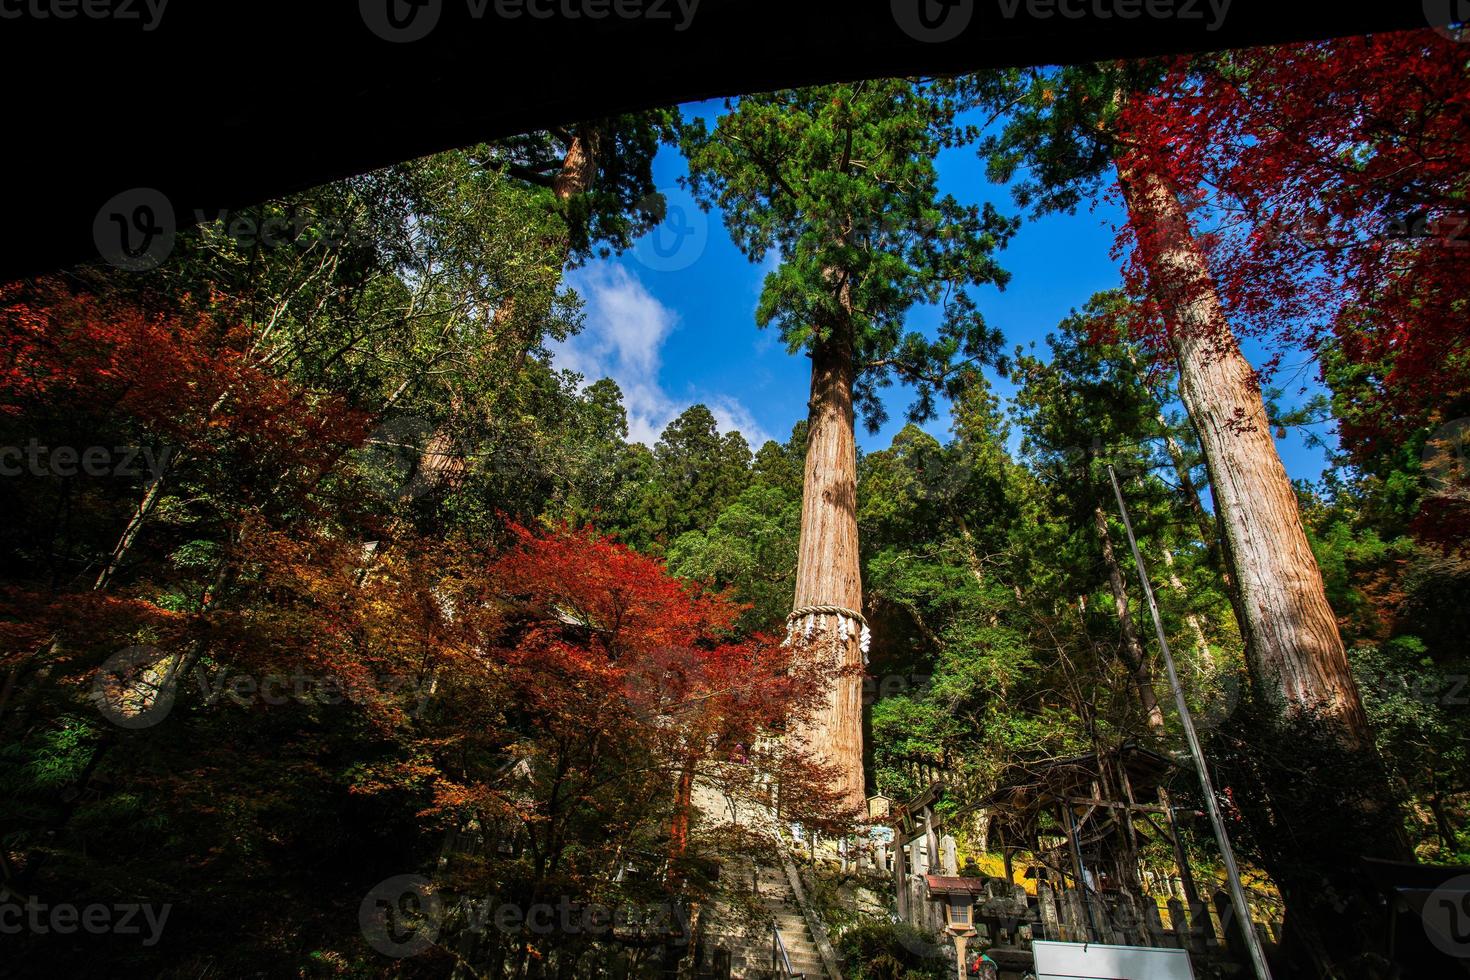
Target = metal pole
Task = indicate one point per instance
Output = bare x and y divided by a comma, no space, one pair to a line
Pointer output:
1212,806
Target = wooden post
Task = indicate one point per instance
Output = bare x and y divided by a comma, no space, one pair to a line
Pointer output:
1156,926
900,875
1134,880
1183,927
931,843
1181,857
1230,924
1077,919
1051,927
1077,868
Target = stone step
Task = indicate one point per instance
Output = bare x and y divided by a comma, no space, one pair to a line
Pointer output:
762,962
759,967
800,958
797,949
794,948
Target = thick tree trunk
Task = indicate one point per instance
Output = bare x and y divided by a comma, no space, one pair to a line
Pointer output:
579,166
1323,798
1133,653
827,572
1295,648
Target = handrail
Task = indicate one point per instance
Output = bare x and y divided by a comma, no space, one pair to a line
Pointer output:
830,968
780,960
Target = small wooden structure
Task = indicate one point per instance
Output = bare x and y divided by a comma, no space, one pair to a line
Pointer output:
1081,823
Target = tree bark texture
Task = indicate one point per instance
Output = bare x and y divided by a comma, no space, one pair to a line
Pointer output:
827,570
1296,653
1303,765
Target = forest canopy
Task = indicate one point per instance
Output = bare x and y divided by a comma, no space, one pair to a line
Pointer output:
321,570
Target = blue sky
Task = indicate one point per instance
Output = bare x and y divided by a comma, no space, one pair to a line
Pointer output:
672,321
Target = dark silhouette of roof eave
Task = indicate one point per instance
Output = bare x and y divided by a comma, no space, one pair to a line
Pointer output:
229,102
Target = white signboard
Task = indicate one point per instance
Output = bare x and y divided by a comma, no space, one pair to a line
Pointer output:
1095,961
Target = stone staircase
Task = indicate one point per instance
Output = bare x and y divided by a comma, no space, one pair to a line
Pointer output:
727,930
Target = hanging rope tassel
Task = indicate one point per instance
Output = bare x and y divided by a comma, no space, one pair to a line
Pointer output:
855,625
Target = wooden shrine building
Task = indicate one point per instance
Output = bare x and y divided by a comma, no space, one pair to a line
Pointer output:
1092,851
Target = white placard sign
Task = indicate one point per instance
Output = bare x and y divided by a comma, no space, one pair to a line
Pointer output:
1096,961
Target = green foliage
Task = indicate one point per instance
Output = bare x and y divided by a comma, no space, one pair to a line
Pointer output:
893,951
840,181
750,548
309,526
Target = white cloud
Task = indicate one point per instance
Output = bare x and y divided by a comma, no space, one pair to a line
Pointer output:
623,339
730,414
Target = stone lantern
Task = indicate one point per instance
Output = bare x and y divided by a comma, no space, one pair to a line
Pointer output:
957,896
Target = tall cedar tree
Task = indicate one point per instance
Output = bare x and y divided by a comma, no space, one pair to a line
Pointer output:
840,182
1341,216
1068,128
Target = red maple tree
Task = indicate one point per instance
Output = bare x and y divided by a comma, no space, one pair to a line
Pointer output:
1333,193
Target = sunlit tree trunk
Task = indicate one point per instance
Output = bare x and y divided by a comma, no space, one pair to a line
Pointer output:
1196,626
1291,632
1329,799
827,571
